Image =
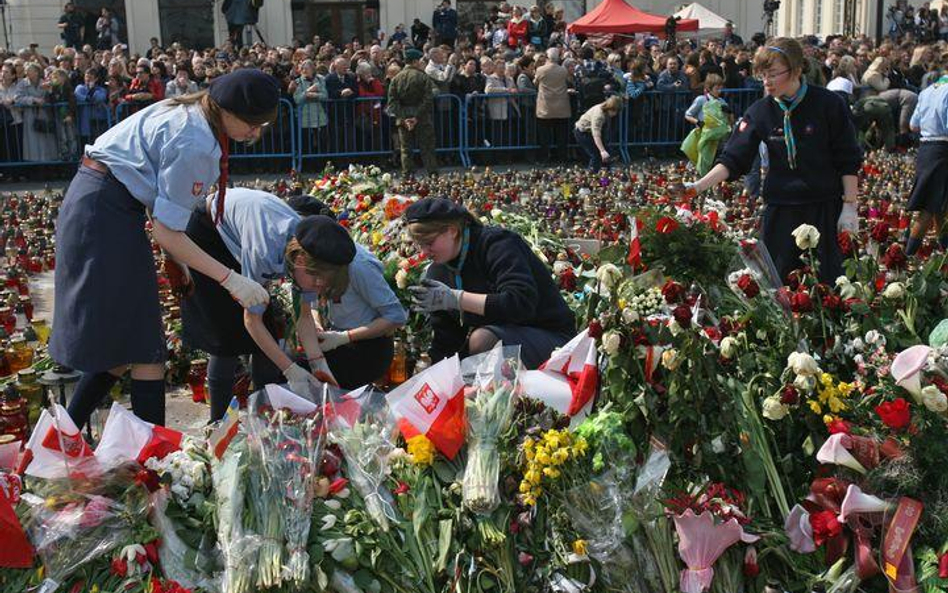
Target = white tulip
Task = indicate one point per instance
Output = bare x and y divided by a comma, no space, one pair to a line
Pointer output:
773,409
329,521
611,341
806,236
333,504
401,279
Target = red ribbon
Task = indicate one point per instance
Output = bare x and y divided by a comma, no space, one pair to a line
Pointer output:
222,180
896,548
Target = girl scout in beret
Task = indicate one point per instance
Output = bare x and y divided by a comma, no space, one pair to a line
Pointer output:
156,165
814,159
268,239
929,197
484,285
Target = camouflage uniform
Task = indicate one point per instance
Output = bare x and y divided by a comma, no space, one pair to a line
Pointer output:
411,94
875,126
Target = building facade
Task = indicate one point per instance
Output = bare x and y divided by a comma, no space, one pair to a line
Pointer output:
200,23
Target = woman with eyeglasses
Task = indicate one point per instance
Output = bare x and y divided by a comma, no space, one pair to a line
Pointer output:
814,159
154,167
485,285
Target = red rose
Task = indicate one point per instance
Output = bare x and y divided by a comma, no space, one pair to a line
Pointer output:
595,329
943,566
748,286
789,395
568,280
119,567
682,315
800,302
825,526
832,302
895,414
666,224
151,551
845,242
880,232
672,291
402,488
839,426
149,479
894,258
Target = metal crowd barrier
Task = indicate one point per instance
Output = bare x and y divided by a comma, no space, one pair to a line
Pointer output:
480,124
49,134
361,127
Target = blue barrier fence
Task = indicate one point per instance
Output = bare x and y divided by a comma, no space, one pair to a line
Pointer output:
475,128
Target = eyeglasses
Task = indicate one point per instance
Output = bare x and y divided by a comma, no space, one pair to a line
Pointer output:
771,76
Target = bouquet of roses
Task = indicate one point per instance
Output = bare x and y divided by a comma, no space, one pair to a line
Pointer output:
490,393
285,435
72,522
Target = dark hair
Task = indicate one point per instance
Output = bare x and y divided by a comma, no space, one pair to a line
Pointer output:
526,62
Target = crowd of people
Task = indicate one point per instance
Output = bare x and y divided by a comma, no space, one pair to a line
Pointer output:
53,105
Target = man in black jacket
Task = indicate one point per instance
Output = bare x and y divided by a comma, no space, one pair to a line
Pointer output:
419,33
343,88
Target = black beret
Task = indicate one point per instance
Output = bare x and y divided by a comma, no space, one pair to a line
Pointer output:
246,92
436,209
310,206
326,240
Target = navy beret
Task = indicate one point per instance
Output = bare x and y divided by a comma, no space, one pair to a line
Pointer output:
246,92
436,209
309,206
412,54
326,240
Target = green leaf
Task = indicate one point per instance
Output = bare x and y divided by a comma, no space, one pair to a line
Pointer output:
444,543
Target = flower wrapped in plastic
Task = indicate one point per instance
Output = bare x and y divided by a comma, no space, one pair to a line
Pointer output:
364,428
285,437
73,522
492,380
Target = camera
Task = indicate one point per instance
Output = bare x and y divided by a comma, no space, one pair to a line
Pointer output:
671,25
771,6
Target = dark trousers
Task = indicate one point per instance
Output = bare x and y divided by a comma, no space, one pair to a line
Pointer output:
586,142
779,221
221,373
360,363
552,133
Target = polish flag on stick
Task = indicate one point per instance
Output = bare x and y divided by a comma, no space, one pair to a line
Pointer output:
567,382
432,403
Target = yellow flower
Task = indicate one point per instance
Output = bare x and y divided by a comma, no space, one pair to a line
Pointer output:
421,449
528,443
551,472
377,238
551,439
621,307
579,547
524,487
826,379
836,405
827,419
543,458
815,406
529,500
580,447
560,456
532,477
530,454
95,589
845,389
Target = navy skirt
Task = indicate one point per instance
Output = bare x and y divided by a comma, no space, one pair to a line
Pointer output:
106,312
536,344
930,188
779,221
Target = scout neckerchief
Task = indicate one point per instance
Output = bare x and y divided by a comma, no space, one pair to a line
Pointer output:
942,79
465,245
787,109
222,180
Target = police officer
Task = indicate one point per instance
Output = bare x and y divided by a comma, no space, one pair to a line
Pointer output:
410,97
814,159
356,310
929,195
158,164
484,285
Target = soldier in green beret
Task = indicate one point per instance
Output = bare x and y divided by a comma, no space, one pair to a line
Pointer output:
410,97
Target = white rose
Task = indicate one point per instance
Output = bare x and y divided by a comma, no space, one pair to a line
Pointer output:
608,275
674,328
804,383
934,399
806,236
894,291
802,364
401,279
629,315
611,341
729,347
386,178
773,409
670,359
875,338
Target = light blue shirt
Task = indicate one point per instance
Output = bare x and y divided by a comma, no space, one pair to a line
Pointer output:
696,110
167,157
931,113
368,297
256,228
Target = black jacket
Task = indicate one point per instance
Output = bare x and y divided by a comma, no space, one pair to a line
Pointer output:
519,287
826,148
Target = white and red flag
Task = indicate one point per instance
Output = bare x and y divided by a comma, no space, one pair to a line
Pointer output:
432,403
126,437
56,448
567,382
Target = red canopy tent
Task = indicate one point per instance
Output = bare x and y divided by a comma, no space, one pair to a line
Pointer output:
618,16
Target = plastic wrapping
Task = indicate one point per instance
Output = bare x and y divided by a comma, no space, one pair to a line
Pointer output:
179,561
492,386
285,438
363,426
237,544
753,272
73,522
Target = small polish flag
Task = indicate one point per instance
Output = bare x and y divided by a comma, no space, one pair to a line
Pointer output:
567,382
226,430
634,258
56,448
126,437
432,403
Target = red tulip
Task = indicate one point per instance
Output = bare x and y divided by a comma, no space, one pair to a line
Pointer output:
895,414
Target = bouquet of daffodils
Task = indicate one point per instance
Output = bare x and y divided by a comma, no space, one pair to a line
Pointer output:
491,393
285,436
363,427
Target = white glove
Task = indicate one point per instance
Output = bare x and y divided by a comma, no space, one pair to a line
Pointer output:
300,380
244,290
848,218
330,340
604,154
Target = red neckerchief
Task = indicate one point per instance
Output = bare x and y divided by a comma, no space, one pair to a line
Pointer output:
222,180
